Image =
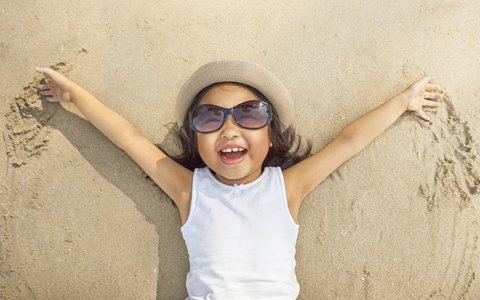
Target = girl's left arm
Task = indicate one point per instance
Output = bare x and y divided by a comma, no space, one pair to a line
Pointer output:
302,178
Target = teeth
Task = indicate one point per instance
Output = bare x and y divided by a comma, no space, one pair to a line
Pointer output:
232,150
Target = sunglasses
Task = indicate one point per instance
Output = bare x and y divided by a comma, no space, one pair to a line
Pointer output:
252,114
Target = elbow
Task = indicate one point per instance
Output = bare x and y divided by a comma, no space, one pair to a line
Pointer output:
127,138
354,142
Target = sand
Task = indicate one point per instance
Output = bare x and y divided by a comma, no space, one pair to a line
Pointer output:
79,220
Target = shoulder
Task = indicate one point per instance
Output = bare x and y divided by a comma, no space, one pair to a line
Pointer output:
188,200
277,175
199,173
293,190
292,198
290,178
273,173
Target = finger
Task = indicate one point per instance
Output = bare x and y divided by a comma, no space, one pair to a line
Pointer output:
422,115
430,87
43,87
430,103
425,80
46,93
47,72
432,96
40,70
51,99
43,71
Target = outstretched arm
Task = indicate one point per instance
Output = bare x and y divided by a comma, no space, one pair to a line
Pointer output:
59,88
357,136
174,179
420,93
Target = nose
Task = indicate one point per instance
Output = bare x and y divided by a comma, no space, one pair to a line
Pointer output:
229,129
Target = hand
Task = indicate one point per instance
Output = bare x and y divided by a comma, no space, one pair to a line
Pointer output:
422,93
57,87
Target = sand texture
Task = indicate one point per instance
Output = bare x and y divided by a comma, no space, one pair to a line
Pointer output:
400,220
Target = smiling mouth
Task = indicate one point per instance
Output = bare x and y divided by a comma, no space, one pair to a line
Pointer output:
232,155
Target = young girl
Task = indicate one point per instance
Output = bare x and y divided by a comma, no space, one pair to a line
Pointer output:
239,181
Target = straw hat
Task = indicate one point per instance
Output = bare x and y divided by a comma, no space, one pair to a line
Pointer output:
245,72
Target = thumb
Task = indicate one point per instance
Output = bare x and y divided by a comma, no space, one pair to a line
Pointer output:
418,86
47,72
39,70
42,71
426,79
423,81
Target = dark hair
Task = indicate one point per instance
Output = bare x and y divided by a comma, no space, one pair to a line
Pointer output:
287,147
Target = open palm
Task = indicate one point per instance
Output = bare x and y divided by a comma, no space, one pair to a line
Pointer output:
57,87
423,93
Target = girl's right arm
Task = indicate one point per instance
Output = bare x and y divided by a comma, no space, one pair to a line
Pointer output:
171,177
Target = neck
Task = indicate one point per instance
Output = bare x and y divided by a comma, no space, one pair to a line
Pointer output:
243,180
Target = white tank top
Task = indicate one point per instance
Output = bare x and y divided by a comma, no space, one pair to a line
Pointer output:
240,239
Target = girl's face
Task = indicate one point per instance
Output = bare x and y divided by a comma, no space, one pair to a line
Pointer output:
243,166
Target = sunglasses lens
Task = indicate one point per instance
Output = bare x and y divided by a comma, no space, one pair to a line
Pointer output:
252,115
207,118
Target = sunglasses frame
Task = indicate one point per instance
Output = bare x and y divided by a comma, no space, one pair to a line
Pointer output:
230,111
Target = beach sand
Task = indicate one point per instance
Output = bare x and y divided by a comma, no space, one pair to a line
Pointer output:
79,220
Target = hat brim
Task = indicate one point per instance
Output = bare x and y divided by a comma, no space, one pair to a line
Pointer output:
244,72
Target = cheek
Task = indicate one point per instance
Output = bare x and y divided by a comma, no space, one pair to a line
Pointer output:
205,146
261,142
